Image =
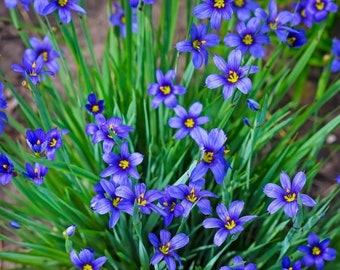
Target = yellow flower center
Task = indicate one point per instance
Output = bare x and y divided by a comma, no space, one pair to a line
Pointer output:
319,5
123,20
192,197
230,223
63,3
189,123
38,142
33,73
316,251
95,108
219,3
233,77
124,164
45,56
87,266
291,40
53,142
114,132
303,13
239,3
166,90
290,197
248,39
290,268
165,248
197,44
273,25
36,172
116,201
5,166
208,156
141,200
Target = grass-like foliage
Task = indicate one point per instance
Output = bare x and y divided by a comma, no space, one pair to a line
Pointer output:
192,149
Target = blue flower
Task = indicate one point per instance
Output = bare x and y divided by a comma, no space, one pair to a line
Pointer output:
69,231
250,37
142,198
6,169
44,48
287,265
121,166
32,67
118,19
335,65
319,9
234,76
216,10
135,3
37,173
229,221
199,40
108,201
64,8
171,207
166,246
12,3
165,90
37,141
243,8
287,195
301,14
296,38
54,141
14,224
317,252
86,260
275,21
188,122
192,195
94,106
212,147
252,104
102,131
238,264
3,105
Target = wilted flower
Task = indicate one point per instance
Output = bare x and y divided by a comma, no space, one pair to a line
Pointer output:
118,19
69,231
212,146
193,195
317,252
65,8
234,76
44,48
287,265
287,195
238,264
94,106
6,169
250,37
37,173
166,246
199,40
86,260
216,10
229,221
188,122
246,121
3,105
164,90
335,65
123,165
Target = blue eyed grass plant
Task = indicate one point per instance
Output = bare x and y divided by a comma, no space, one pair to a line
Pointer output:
109,171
